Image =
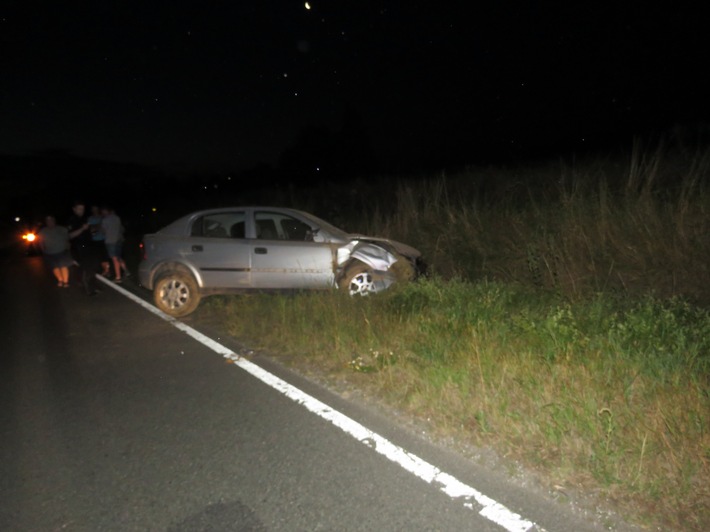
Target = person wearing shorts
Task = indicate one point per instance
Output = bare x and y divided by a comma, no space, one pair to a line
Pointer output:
54,243
113,236
97,238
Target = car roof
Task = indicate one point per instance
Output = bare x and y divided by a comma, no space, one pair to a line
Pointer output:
180,226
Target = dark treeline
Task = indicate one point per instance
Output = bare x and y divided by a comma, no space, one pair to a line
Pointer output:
336,175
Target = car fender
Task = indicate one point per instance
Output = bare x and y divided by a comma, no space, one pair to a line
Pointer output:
169,265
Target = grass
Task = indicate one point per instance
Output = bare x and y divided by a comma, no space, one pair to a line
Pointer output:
565,323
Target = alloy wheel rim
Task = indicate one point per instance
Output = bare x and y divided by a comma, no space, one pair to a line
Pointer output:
175,294
361,284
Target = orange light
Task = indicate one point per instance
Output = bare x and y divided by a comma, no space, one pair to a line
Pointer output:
30,237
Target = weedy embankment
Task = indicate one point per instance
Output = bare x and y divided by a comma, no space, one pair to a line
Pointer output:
565,324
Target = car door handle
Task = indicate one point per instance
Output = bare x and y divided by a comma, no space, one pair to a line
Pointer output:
260,251
196,248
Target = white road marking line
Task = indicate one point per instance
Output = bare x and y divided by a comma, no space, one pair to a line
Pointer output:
454,488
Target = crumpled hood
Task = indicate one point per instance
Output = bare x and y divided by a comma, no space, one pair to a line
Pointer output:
399,247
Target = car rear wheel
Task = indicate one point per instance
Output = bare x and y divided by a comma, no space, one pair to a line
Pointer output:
176,293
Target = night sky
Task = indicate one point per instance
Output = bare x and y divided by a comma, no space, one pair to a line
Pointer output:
385,85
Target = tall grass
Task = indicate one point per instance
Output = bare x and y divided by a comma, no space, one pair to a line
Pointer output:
634,228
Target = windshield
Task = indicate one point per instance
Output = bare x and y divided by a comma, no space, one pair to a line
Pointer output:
326,227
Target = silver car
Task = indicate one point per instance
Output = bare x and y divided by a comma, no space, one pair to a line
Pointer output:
231,250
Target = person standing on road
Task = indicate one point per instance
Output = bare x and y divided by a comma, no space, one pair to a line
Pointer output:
98,238
113,234
82,248
54,242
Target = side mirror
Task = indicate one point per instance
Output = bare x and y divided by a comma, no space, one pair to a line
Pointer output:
311,235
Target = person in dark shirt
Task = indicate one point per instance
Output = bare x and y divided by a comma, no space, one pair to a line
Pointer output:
82,247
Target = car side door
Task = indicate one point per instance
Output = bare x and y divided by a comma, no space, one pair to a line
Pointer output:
284,255
218,248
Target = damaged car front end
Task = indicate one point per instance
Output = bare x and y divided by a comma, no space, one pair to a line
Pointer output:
367,265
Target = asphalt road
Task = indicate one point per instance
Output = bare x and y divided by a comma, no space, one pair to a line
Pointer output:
112,419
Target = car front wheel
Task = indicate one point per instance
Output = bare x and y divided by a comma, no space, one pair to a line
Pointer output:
176,293
358,280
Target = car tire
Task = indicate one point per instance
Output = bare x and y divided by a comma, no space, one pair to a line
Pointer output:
176,293
357,279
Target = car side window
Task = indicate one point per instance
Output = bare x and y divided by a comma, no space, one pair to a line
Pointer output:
219,225
277,226
296,229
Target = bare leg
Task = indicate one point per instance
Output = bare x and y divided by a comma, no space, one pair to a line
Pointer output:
117,266
64,272
58,274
